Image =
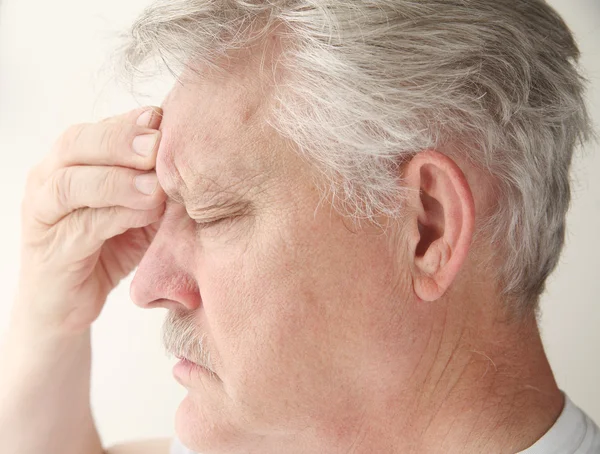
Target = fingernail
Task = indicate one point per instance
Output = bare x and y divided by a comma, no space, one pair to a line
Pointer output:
144,144
145,118
146,183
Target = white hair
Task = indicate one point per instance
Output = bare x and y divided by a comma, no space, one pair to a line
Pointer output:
370,83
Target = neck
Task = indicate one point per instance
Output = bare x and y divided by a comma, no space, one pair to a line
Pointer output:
478,385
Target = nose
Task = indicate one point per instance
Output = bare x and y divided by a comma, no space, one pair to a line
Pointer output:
164,277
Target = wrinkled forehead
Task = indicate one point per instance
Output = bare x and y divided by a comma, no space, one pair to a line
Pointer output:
212,132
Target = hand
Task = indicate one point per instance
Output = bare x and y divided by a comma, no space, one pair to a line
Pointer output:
85,223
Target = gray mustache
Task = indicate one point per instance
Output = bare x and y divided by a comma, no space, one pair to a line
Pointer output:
182,338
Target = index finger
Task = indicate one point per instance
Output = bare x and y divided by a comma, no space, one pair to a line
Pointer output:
118,141
151,119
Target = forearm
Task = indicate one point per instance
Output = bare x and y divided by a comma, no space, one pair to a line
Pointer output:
45,393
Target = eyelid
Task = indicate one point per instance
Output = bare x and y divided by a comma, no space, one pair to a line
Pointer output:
221,222
207,223
203,217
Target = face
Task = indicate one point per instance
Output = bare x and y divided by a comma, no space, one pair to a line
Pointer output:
294,304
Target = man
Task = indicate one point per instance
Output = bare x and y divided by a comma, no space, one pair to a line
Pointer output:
349,210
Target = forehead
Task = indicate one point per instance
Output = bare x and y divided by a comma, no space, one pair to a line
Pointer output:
213,134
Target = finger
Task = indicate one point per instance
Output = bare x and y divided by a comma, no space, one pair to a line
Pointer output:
85,231
109,143
151,119
72,188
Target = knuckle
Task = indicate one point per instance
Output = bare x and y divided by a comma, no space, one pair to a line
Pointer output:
90,222
117,215
107,181
112,138
69,138
77,224
106,139
83,224
98,221
60,186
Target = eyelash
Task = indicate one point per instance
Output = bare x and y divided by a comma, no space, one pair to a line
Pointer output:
221,222
210,223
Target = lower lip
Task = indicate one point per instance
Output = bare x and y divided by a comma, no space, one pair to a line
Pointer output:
186,370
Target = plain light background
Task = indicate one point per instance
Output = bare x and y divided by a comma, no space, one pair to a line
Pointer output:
53,73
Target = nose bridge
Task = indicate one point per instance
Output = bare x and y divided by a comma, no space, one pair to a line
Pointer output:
166,272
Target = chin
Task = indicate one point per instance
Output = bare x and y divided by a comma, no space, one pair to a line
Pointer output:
206,430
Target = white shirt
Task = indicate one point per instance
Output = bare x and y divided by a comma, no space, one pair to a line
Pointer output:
572,433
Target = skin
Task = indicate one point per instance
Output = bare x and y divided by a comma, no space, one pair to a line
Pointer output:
85,226
325,337
334,338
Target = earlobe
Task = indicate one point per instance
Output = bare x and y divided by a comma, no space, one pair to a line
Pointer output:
443,224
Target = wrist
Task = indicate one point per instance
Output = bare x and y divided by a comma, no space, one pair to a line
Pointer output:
29,335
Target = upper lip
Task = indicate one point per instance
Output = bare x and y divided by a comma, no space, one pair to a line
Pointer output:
187,359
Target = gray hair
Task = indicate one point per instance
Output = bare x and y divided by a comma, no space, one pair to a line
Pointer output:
370,83
182,339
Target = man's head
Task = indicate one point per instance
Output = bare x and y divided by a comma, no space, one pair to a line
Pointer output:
342,177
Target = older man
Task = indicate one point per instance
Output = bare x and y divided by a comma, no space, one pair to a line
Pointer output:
349,210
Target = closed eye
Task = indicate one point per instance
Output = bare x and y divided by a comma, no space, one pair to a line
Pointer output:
210,223
217,223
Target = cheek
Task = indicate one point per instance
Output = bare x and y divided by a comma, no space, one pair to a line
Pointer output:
265,325
249,299
281,312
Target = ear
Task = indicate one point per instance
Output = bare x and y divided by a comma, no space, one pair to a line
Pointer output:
441,221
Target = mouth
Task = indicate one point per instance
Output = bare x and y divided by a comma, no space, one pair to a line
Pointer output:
189,363
186,371
187,360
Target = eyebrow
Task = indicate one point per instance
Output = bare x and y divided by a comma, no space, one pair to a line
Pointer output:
204,199
195,200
